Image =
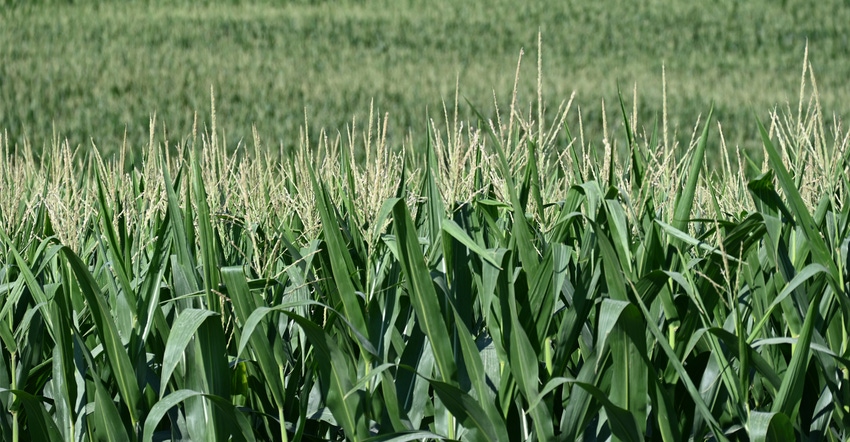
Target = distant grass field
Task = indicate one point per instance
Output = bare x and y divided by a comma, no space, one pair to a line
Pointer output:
90,70
527,274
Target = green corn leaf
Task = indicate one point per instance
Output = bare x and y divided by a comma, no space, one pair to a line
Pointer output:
477,374
457,232
413,392
576,317
489,281
531,180
108,420
149,309
236,419
461,271
765,427
423,297
107,331
809,272
406,436
790,393
341,263
365,380
521,230
183,243
65,390
257,316
576,410
467,410
115,251
759,363
348,198
613,273
182,332
816,348
616,218
433,208
622,423
345,406
694,393
244,305
684,238
609,315
766,199
638,163
548,388
630,371
685,199
398,418
348,411
6,336
207,370
801,213
578,174
824,411
41,425
28,277
209,243
525,368
542,297
383,216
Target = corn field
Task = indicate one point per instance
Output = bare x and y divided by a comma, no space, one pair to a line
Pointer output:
492,282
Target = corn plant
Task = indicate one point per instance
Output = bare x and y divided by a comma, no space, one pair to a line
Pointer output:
502,282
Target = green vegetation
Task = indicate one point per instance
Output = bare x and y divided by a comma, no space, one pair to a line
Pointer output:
506,266
91,69
499,283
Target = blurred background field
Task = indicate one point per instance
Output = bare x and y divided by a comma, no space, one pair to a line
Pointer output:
89,71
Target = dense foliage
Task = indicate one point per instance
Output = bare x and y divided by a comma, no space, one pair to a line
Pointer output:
499,284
